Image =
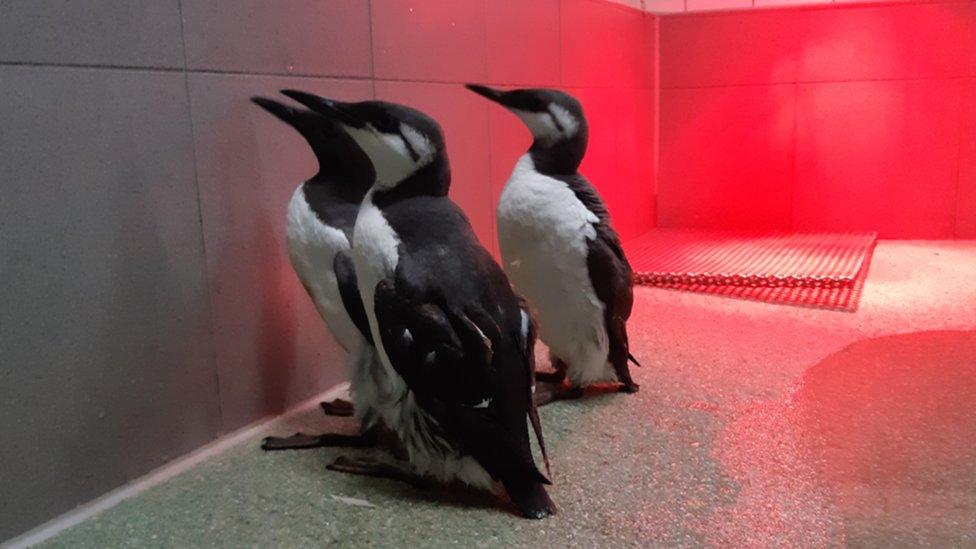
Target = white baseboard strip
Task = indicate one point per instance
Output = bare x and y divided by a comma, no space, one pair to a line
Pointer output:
85,511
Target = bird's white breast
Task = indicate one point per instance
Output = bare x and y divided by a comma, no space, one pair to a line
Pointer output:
312,247
543,233
375,255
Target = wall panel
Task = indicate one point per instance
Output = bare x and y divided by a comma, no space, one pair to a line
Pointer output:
279,36
117,33
272,348
878,156
878,141
107,351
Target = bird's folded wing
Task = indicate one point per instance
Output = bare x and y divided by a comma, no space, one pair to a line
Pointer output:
439,353
349,293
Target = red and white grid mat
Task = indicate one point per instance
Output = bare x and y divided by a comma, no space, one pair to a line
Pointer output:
824,270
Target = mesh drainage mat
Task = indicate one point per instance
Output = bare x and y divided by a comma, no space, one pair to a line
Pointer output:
812,269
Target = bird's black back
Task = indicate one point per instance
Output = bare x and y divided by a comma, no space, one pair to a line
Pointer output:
442,262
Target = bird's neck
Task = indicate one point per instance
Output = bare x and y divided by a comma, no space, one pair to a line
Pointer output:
344,187
561,157
342,163
434,179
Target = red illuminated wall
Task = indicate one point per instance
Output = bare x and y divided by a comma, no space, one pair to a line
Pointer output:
602,53
605,54
822,118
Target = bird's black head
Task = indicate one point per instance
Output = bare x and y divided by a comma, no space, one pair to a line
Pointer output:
340,158
555,118
405,145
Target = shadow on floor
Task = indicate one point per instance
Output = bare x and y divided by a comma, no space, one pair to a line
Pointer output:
876,447
891,424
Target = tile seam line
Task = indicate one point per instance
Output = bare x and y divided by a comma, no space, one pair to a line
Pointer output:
559,40
807,82
657,121
492,221
372,48
793,145
960,139
203,237
253,74
811,6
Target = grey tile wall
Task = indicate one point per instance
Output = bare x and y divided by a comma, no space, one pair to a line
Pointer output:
107,356
117,33
271,345
147,304
327,37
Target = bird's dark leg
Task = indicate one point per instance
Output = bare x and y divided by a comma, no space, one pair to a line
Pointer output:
623,375
550,377
547,394
557,376
338,407
629,387
552,386
398,470
300,441
619,355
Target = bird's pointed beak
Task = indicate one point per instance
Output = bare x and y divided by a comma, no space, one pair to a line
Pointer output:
305,122
335,110
280,110
497,96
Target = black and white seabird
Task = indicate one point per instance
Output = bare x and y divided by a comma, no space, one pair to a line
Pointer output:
559,247
319,224
450,331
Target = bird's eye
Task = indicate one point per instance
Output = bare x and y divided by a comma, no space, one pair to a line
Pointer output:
555,122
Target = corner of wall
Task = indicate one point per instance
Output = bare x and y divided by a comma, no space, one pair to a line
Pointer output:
657,115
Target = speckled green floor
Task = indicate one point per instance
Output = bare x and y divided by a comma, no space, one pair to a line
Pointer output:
756,425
